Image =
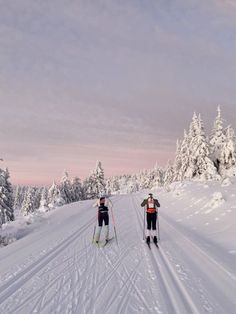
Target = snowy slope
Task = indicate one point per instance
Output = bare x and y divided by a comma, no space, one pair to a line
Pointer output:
56,269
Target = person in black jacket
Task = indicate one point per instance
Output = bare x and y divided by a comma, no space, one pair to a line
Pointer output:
103,216
151,211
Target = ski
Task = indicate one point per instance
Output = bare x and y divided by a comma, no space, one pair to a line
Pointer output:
98,244
107,241
155,243
148,244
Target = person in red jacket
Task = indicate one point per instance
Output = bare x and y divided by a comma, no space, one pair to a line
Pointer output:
151,211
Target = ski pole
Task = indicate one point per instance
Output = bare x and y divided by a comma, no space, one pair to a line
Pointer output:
144,223
158,226
113,220
94,229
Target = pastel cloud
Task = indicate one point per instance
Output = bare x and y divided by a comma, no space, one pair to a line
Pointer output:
109,80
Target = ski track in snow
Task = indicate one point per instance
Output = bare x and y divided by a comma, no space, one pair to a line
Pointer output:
74,276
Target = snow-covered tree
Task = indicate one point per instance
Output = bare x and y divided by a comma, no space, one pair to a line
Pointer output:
66,188
37,197
95,184
6,198
28,206
177,163
185,157
112,185
17,202
156,176
217,139
44,200
132,184
228,154
169,175
202,166
76,188
54,196
194,154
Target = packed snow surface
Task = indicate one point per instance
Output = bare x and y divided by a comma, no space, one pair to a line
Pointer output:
53,267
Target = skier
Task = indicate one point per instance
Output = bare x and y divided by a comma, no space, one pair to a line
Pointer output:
102,205
151,210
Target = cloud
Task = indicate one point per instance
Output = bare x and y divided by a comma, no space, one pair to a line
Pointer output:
109,79
230,3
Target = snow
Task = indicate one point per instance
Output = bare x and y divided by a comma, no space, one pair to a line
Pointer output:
53,267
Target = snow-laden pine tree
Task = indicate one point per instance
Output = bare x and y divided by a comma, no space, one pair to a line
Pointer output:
17,203
217,139
44,200
194,152
228,154
184,156
28,206
21,196
112,185
6,198
95,184
201,165
54,196
76,188
193,129
143,179
177,162
169,175
157,177
37,197
66,188
132,184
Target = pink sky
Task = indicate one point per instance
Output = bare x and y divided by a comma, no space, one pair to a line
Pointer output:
115,81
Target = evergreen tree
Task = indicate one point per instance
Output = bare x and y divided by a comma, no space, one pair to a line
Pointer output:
184,157
54,196
76,187
169,175
6,198
156,177
177,163
228,152
66,188
95,184
44,198
17,203
28,206
217,139
202,166
112,185
37,197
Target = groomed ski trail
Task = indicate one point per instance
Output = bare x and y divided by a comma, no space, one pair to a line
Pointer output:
58,270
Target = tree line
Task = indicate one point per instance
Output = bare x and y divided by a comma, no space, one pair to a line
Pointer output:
198,157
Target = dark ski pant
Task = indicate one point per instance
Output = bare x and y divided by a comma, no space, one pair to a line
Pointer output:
103,217
152,221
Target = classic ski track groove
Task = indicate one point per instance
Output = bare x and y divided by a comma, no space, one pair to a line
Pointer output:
198,254
128,280
174,294
21,278
161,265
201,251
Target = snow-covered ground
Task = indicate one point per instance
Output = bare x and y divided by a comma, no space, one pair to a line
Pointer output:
54,267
